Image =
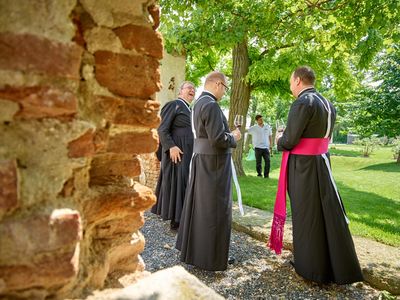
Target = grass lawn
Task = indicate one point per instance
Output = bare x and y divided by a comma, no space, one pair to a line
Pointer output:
369,186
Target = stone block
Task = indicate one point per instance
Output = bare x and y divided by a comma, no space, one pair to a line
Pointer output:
127,75
7,110
40,250
143,39
168,284
23,239
50,271
83,146
8,186
134,112
30,53
112,202
114,13
41,102
154,11
117,227
133,142
50,19
108,167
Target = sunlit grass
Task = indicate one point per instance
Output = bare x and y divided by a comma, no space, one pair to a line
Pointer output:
369,186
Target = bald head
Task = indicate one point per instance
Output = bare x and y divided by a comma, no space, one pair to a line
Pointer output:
216,84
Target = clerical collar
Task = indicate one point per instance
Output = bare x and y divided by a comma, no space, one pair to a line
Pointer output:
305,89
205,91
184,101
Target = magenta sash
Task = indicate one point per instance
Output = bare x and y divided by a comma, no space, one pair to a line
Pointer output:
306,146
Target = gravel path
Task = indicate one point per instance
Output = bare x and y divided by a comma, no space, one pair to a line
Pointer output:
257,273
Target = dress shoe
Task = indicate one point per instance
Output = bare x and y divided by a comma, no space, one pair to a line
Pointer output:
174,225
259,175
231,260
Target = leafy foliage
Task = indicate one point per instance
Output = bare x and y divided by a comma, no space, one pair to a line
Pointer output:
376,110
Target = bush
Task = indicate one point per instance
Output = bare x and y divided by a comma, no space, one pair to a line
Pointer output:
396,148
368,144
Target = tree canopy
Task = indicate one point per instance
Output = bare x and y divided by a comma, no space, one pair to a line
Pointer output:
258,43
375,109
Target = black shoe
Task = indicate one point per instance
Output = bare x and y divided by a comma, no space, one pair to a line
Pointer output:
231,260
174,225
259,175
266,176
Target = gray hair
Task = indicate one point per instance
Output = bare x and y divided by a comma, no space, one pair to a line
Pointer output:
183,85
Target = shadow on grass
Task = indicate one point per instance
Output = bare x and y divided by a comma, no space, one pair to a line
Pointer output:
376,212
385,167
341,152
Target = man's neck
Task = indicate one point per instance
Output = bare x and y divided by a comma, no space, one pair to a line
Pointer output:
205,90
305,88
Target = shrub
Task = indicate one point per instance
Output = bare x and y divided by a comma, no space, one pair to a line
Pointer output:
396,148
368,144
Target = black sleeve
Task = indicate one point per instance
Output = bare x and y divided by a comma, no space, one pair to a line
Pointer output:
218,135
299,115
168,114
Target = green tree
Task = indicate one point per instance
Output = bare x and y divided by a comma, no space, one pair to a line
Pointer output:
376,109
267,39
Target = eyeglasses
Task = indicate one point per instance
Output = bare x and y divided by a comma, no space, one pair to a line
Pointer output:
226,87
189,87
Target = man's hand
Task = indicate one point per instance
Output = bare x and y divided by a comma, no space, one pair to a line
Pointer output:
175,154
236,134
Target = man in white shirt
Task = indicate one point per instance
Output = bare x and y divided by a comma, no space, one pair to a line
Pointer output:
262,141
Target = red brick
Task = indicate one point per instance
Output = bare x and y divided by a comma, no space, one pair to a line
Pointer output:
118,227
129,111
143,39
114,202
22,240
50,271
154,11
41,102
8,186
26,52
107,168
128,75
83,146
133,142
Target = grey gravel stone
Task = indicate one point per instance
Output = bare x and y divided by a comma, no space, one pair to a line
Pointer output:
256,274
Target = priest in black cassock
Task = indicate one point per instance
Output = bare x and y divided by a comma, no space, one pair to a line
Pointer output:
205,230
176,142
323,247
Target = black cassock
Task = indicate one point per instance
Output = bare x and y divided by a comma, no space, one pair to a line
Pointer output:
205,229
323,247
174,130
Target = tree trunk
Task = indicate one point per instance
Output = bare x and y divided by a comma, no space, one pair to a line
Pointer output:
398,158
240,96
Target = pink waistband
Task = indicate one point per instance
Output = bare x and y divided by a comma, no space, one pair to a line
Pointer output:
306,146
311,146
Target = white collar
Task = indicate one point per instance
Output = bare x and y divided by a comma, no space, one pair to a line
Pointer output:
306,88
209,93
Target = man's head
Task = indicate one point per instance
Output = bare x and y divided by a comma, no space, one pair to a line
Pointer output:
302,78
187,91
259,120
216,84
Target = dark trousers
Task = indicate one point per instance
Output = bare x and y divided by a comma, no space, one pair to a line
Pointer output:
264,153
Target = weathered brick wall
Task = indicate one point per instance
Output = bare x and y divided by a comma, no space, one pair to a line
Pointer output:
77,108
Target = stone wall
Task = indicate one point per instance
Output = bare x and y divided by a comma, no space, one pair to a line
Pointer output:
77,108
